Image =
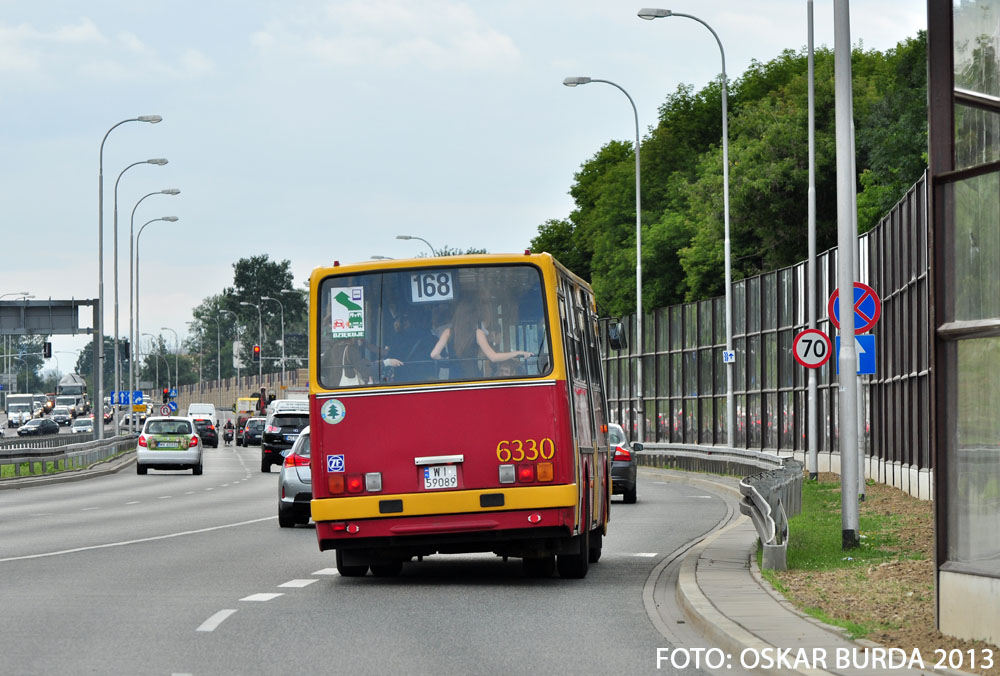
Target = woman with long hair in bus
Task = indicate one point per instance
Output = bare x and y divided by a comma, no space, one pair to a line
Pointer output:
470,341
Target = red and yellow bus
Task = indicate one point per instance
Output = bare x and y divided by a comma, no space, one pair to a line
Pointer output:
456,405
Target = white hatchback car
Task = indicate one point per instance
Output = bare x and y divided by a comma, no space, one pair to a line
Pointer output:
168,443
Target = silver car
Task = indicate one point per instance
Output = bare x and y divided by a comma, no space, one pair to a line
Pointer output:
168,443
82,425
295,483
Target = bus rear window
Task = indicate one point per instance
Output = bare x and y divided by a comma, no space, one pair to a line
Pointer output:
429,325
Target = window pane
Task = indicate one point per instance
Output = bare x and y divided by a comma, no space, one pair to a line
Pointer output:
976,54
975,204
977,136
974,463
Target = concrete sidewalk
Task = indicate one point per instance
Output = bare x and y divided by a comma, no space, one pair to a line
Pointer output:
721,591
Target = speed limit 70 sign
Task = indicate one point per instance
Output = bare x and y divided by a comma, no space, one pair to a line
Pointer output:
812,348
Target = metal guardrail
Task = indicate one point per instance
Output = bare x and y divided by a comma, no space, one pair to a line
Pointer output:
69,456
701,458
48,441
769,499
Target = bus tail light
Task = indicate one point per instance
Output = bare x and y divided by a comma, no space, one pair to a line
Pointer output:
506,474
526,473
535,518
355,483
335,484
351,528
373,482
142,441
544,471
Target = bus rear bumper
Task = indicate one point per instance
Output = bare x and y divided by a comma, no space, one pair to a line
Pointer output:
509,533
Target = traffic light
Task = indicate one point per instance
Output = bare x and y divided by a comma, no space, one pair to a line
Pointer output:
256,352
47,350
166,395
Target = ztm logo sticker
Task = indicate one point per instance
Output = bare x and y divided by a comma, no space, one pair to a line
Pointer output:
333,411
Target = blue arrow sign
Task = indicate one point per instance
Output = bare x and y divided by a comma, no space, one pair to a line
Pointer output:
865,346
172,405
137,397
123,397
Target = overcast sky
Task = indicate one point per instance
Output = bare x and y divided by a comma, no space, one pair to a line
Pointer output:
320,130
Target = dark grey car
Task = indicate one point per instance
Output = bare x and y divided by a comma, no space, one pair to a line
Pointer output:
624,464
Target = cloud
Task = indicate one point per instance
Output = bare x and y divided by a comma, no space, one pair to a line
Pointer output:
81,49
437,34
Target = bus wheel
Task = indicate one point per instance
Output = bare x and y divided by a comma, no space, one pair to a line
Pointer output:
596,543
387,568
575,565
346,570
539,566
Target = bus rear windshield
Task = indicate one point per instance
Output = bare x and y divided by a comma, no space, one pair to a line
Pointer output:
430,325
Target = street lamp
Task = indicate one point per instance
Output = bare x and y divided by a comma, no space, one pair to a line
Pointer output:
640,411
433,252
282,335
99,348
159,162
165,362
132,331
169,219
236,357
177,351
650,14
260,341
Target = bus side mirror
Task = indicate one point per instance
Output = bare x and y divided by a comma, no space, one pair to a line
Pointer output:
616,336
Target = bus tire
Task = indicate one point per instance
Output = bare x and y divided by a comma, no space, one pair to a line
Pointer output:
539,566
596,544
346,570
387,568
574,566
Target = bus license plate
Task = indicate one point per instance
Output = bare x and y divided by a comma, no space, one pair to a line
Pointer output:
440,476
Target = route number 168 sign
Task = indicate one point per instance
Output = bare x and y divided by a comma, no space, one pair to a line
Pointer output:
812,348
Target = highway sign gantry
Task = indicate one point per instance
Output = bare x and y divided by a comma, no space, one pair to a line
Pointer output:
812,348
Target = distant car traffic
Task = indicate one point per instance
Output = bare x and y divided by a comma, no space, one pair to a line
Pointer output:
196,411
38,427
624,464
253,431
168,443
82,425
207,431
295,483
280,432
61,415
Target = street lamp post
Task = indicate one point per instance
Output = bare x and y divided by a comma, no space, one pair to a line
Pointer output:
236,357
177,351
650,14
132,328
7,338
169,219
433,252
641,406
159,162
282,335
260,341
165,363
99,346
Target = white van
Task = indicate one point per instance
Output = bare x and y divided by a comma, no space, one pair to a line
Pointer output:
280,405
204,411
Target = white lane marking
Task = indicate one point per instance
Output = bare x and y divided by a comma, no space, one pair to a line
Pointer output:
209,489
44,514
189,493
215,620
261,597
706,497
224,485
165,497
645,555
662,483
297,584
134,502
327,571
89,509
135,542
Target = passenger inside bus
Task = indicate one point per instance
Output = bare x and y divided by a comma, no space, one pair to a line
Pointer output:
468,341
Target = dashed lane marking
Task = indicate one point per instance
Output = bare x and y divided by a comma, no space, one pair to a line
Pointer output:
261,597
134,502
89,509
165,497
327,571
645,555
215,620
297,584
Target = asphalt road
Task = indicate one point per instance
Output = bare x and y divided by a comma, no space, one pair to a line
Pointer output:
172,573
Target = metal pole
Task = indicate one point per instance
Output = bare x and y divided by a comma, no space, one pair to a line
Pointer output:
282,308
845,268
218,364
812,423
856,251
177,351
